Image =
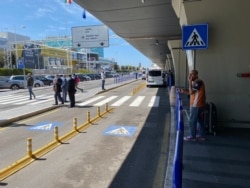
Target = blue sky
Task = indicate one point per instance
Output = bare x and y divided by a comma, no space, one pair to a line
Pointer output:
40,18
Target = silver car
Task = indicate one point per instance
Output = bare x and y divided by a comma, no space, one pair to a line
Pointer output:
17,82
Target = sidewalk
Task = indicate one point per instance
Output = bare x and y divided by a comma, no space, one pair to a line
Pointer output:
222,161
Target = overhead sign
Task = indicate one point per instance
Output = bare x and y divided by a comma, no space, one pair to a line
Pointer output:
90,36
195,37
45,126
120,130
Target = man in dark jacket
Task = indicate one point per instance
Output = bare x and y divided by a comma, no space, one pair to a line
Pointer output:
71,91
57,89
30,82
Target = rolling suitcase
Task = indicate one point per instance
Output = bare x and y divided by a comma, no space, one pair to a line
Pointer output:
210,118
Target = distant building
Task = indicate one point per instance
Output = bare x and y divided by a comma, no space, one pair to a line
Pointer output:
13,37
51,53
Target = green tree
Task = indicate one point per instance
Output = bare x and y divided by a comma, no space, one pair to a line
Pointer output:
116,67
2,58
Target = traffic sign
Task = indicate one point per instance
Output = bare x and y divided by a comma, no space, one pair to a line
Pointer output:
90,36
195,37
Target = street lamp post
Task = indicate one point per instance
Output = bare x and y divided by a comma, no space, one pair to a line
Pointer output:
22,27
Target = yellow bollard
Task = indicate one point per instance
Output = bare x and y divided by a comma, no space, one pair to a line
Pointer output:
56,133
29,147
106,107
88,117
75,123
98,111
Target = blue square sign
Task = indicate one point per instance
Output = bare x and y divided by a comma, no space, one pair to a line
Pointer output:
195,37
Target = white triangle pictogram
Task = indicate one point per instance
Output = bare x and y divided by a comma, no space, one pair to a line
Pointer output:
43,127
121,131
195,40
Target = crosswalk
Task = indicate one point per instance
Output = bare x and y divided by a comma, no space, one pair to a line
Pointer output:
24,99
136,101
115,101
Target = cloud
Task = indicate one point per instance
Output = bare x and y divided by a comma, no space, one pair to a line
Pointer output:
44,11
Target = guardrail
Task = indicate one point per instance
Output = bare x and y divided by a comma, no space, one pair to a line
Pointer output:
177,163
123,78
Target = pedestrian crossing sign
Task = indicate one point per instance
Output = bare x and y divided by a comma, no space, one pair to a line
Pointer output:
195,37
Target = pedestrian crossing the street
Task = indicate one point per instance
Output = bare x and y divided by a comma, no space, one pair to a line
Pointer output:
115,101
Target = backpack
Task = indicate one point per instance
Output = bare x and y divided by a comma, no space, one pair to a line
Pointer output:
77,80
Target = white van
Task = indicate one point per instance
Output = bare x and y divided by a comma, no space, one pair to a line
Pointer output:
154,78
143,75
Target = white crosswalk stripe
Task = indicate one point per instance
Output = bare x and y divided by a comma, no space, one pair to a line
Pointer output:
137,101
105,101
90,101
13,99
132,101
121,101
154,102
23,99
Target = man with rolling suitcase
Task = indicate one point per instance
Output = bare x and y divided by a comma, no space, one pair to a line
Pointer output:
197,94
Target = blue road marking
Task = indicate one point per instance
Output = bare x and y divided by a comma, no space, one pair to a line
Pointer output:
45,126
117,130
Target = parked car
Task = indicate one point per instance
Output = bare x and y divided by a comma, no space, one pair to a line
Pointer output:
50,77
86,77
92,76
17,82
81,77
45,80
97,76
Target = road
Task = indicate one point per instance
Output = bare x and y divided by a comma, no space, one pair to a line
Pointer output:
126,148
10,99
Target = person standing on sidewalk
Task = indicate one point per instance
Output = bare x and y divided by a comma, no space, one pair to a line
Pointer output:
197,94
71,91
57,89
103,79
30,83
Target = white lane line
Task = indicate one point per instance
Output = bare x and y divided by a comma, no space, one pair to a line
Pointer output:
137,101
121,101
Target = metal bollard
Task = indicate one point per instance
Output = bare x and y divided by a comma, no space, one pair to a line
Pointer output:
75,123
56,133
29,147
88,117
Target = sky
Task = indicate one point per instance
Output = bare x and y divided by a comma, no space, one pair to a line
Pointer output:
38,19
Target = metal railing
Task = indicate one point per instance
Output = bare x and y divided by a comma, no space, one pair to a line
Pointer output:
178,162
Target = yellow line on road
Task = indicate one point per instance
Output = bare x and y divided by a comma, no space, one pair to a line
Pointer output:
32,156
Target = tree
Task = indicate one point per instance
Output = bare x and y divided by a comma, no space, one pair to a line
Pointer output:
2,58
116,67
